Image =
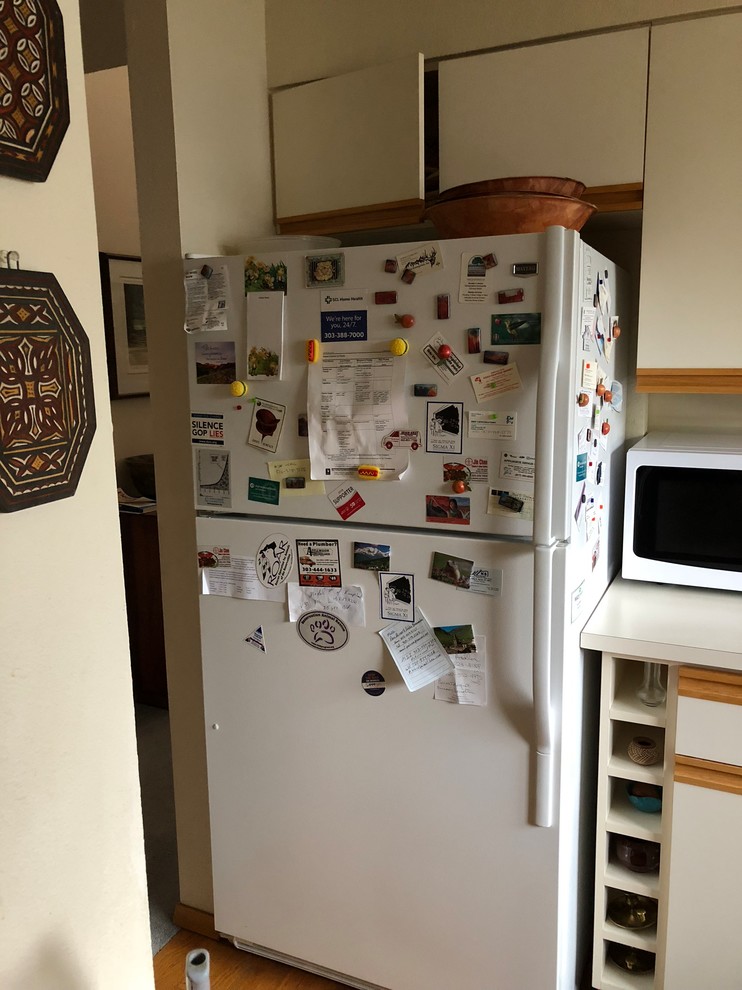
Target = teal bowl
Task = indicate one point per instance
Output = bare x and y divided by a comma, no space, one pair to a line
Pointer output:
645,797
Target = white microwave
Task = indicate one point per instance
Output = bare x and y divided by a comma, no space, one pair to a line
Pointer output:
683,510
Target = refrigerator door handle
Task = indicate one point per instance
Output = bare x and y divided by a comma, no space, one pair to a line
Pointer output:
548,381
543,721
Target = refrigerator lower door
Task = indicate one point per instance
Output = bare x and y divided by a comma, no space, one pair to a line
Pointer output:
384,837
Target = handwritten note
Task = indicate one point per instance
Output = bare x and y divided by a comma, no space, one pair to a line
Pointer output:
346,603
466,684
416,651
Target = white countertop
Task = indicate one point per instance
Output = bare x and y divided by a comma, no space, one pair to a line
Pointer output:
668,622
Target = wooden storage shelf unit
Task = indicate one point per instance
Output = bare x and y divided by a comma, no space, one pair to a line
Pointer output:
622,717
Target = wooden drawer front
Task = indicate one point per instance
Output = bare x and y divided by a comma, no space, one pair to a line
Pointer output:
709,724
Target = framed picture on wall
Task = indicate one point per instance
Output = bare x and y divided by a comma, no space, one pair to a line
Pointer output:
126,326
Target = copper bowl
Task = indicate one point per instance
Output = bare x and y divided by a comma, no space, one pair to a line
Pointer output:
516,183
508,213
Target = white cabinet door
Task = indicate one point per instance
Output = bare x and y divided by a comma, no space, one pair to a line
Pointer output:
350,141
703,920
570,108
691,240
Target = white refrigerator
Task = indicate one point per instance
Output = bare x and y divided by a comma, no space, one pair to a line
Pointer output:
370,820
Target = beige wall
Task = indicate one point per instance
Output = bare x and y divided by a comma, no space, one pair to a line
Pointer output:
73,905
203,170
311,40
117,217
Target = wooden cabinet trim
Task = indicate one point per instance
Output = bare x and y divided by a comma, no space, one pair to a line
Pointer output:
706,773
710,685
395,214
407,212
614,199
690,380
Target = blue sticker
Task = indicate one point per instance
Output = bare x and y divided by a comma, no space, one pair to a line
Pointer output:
581,467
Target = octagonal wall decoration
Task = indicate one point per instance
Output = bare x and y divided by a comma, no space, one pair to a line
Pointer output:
47,409
34,105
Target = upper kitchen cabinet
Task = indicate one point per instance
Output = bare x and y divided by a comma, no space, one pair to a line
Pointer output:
570,108
689,339
348,151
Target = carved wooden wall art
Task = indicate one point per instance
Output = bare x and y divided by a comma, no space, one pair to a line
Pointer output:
47,411
34,106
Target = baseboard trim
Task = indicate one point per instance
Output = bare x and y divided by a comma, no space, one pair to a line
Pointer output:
194,920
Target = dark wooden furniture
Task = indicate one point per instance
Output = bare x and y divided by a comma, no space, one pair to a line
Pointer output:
141,552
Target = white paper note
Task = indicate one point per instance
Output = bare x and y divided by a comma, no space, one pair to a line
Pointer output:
346,603
240,580
416,651
466,684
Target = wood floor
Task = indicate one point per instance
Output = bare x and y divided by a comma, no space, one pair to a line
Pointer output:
231,969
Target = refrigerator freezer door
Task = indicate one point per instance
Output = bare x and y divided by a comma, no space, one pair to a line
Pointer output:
495,438
386,837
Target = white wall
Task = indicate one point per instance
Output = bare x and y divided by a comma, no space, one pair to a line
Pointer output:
73,905
204,184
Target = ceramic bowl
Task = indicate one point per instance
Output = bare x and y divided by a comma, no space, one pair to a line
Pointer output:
645,797
639,855
631,959
507,213
516,183
634,911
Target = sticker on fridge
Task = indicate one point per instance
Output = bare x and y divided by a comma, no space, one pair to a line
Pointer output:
345,500
372,556
324,270
491,384
215,362
492,425
319,563
451,570
475,279
265,276
444,427
343,316
274,560
447,509
266,424
397,596
516,328
520,467
212,471
323,630
207,429
486,581
421,260
264,334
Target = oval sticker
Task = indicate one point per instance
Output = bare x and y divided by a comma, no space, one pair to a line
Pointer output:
373,683
322,630
274,560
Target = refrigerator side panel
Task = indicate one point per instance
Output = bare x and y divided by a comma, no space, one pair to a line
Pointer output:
385,837
494,439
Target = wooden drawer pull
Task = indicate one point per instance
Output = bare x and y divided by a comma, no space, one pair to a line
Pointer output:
706,773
